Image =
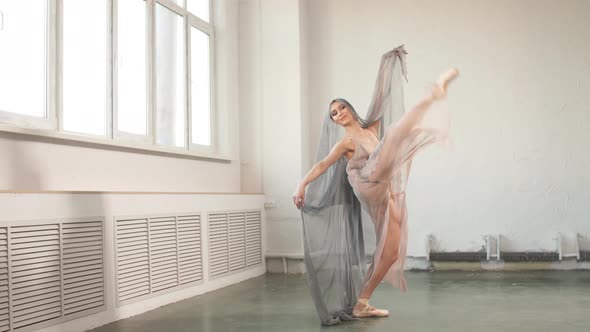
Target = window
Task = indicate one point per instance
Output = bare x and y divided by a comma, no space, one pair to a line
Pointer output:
200,88
199,8
135,73
170,77
23,65
84,66
132,112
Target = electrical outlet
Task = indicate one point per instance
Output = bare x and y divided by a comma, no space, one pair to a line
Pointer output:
269,204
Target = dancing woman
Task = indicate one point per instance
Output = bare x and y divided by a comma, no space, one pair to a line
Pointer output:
367,168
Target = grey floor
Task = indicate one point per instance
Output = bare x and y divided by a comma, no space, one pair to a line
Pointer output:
436,301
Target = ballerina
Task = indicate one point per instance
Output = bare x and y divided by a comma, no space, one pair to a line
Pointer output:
373,161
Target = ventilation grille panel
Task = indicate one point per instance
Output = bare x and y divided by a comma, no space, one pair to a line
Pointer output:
36,278
237,241
189,249
83,266
133,270
4,299
234,241
50,272
163,253
218,241
155,254
253,238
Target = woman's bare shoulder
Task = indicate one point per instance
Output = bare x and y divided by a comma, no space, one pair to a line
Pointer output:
348,143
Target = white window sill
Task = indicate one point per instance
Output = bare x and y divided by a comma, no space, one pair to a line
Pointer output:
107,142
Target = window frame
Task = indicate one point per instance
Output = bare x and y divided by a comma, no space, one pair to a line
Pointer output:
148,138
170,5
195,22
49,122
108,89
52,125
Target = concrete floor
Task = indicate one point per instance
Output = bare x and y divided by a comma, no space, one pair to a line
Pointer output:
436,301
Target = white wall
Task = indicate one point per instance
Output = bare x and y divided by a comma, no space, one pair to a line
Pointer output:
519,112
250,96
270,77
36,164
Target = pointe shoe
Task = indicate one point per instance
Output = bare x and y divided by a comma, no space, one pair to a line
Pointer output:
446,78
368,311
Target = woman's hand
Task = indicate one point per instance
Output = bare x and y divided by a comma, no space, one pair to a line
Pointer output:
299,196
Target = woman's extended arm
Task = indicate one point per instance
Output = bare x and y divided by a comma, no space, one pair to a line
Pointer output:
318,169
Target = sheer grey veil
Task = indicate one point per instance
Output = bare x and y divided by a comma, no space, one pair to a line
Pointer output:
334,247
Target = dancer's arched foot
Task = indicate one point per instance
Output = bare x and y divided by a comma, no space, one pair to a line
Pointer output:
362,309
440,89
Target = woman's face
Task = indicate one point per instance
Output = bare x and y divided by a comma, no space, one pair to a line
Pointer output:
340,113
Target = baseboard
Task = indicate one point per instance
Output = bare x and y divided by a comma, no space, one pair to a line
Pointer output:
455,262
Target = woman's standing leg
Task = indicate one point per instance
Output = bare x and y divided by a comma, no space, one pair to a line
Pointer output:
389,255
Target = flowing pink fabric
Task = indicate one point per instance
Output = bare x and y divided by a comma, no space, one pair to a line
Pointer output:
383,174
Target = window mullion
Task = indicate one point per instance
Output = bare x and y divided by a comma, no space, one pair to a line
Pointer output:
115,69
51,72
110,58
212,99
187,85
59,65
151,63
200,24
172,6
149,72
